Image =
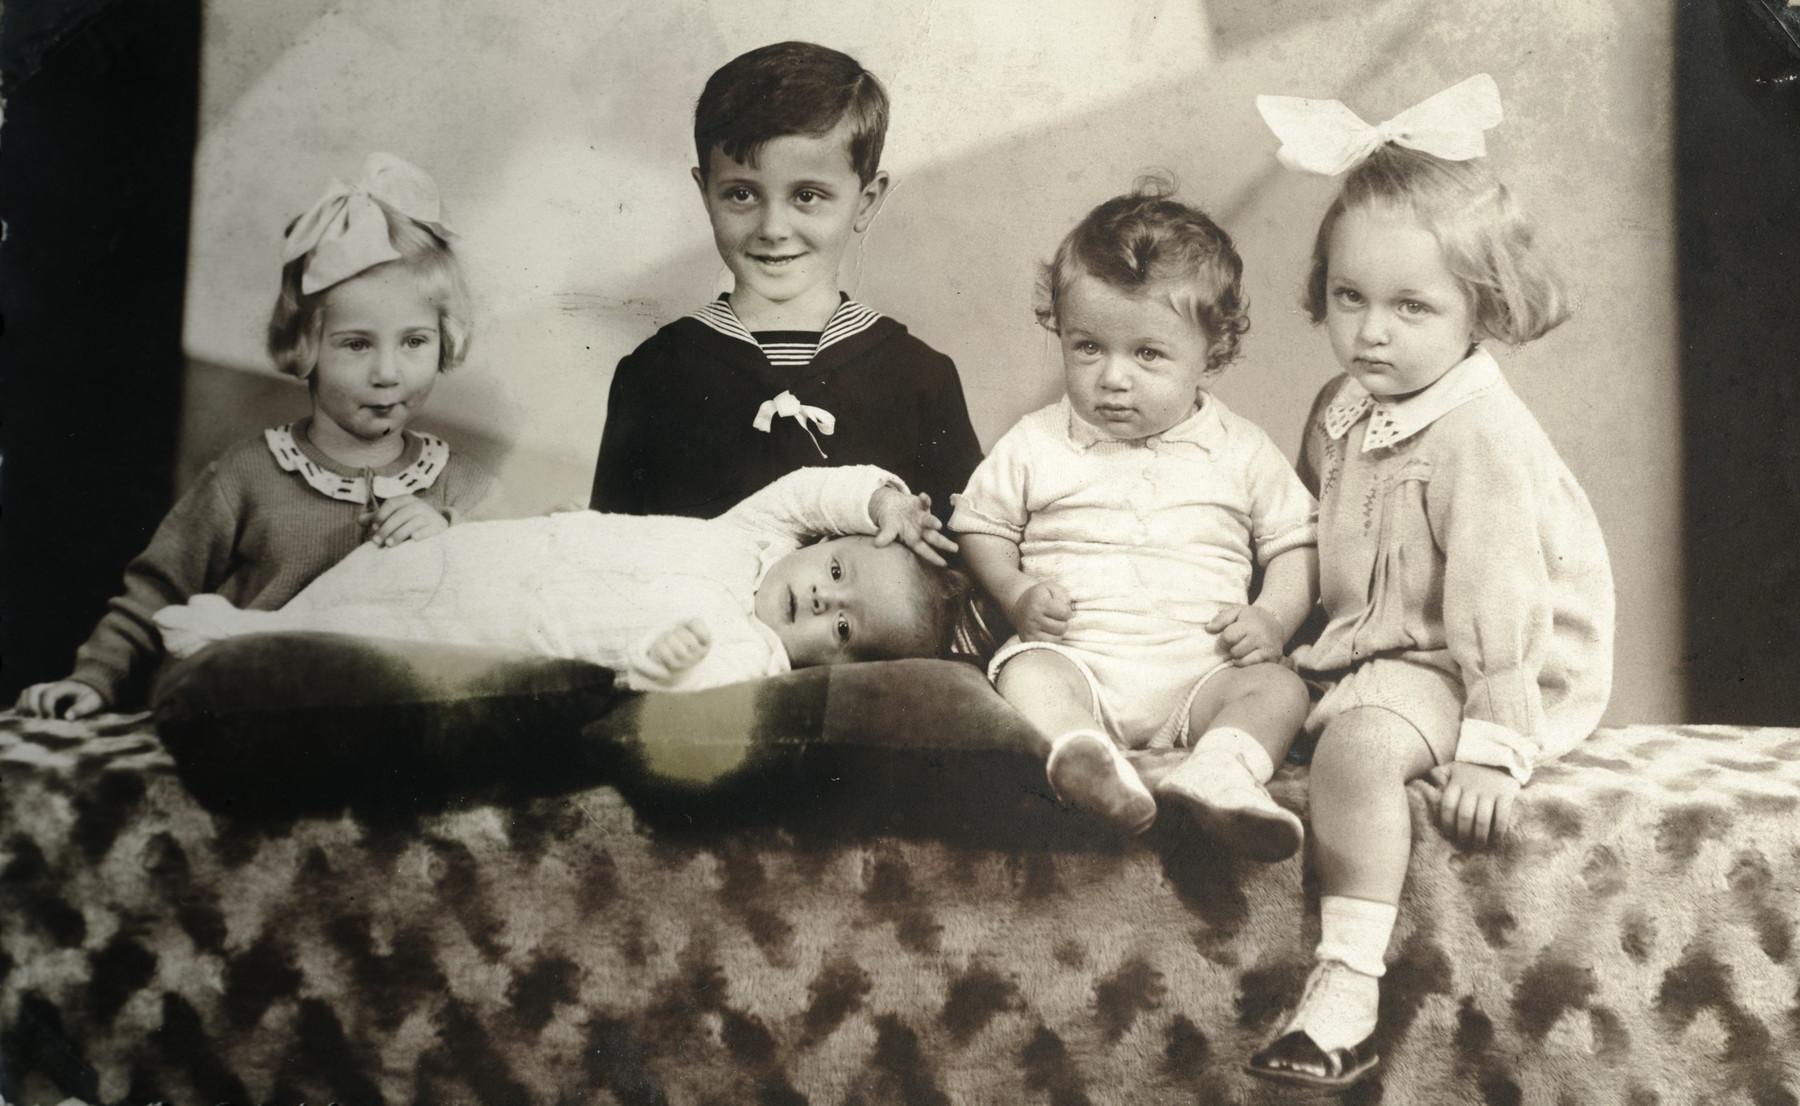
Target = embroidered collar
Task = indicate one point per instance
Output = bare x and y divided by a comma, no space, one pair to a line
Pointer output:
1204,428
1389,422
848,320
295,455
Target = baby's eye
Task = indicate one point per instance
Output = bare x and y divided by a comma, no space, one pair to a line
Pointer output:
1414,307
837,570
1087,347
843,629
1148,354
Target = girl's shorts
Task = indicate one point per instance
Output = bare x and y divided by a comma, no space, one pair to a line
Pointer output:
1162,731
1426,697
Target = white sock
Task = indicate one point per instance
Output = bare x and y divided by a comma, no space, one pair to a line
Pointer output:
1356,932
1231,743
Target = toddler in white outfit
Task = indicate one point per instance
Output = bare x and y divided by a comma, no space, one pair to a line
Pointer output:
1121,528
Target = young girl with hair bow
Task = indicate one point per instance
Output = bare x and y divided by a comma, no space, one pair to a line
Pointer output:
1462,571
372,308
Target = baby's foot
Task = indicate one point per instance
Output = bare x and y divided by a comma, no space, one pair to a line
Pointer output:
1089,772
1326,1044
190,627
1233,808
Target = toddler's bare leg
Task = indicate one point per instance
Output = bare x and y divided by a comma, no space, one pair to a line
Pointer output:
1361,825
1084,765
1362,832
1244,719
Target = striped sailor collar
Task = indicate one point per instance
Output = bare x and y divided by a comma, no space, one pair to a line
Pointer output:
417,468
1394,421
848,320
1204,428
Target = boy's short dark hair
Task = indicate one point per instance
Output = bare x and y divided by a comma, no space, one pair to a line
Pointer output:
785,89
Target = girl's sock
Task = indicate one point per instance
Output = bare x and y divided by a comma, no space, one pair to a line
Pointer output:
1344,992
1356,931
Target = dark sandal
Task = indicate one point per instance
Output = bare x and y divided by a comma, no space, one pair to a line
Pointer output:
1344,1067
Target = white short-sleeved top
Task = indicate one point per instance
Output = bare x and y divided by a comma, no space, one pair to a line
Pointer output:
1149,536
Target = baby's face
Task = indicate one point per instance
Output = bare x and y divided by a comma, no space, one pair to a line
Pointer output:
1132,364
843,600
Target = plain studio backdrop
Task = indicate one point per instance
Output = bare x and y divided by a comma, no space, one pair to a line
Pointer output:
561,142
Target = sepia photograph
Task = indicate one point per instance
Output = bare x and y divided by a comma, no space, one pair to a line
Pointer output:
935,552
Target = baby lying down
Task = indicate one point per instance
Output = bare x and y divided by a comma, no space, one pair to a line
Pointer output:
666,602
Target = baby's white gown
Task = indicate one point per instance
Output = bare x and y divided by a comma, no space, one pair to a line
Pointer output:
580,584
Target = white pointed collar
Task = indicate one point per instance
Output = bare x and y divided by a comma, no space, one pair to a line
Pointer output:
1395,421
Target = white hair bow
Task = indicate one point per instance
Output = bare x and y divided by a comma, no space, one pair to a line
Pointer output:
1324,136
788,405
345,231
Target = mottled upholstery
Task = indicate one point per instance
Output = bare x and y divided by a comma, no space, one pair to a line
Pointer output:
891,926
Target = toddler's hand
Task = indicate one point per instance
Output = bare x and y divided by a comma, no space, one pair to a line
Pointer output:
60,699
908,519
1251,634
1041,613
677,649
1476,807
403,518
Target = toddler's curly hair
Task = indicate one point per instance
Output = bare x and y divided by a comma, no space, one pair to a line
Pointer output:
1146,242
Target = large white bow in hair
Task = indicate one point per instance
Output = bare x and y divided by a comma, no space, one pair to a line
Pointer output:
788,405
1324,136
345,231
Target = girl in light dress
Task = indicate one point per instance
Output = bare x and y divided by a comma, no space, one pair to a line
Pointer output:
1463,572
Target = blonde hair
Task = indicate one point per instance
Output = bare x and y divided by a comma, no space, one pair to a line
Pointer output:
1487,241
1144,239
297,322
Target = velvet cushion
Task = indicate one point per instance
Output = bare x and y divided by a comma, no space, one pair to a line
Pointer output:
281,724
277,725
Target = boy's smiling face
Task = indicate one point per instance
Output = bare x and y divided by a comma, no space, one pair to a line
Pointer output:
843,599
782,225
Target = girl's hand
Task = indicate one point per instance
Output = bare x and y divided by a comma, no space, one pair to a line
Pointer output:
676,650
60,699
1252,634
1476,807
1041,613
403,518
908,519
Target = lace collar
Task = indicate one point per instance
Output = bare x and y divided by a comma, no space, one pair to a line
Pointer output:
433,456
